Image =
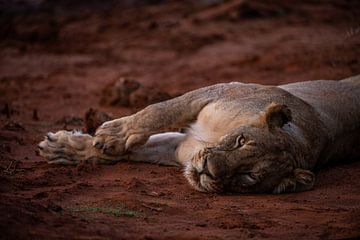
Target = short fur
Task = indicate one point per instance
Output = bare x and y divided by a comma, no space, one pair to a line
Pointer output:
241,137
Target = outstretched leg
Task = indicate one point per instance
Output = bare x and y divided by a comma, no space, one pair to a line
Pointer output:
118,136
71,148
159,149
66,147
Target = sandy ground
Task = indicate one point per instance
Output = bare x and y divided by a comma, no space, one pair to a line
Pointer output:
55,60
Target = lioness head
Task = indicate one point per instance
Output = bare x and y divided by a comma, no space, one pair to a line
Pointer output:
254,158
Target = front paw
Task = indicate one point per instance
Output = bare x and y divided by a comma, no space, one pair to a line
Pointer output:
66,147
117,137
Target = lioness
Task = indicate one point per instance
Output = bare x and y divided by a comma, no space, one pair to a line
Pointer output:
246,138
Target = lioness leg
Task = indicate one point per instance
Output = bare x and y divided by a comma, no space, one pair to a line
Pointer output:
118,136
65,147
159,149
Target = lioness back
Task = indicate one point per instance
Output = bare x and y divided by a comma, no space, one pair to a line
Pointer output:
338,104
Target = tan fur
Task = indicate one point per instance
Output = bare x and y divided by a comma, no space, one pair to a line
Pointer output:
241,137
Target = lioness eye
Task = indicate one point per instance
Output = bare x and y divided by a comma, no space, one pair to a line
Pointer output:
240,141
250,178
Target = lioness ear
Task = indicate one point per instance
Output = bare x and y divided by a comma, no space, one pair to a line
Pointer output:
277,115
302,180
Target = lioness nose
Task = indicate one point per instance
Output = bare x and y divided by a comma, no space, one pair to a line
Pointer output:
205,169
216,164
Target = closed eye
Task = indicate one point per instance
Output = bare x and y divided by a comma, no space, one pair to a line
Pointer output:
239,141
248,179
244,180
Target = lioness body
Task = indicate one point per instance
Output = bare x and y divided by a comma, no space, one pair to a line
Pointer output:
241,137
338,106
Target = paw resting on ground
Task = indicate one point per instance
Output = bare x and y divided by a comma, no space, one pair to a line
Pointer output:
117,137
70,147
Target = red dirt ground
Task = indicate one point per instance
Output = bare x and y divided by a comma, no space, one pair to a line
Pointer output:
55,59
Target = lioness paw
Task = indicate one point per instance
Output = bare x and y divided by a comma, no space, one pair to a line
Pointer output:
302,180
117,137
71,148
66,147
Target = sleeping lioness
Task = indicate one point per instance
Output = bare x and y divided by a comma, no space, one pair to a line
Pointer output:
245,138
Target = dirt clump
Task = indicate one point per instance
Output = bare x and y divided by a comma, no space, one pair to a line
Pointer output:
128,92
94,118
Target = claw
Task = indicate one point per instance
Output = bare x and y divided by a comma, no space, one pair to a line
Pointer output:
114,147
51,137
98,144
105,125
76,131
109,150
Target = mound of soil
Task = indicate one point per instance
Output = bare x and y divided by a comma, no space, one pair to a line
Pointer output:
127,92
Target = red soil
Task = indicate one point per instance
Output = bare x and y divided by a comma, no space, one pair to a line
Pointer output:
55,62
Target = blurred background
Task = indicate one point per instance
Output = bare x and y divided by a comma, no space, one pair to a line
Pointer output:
58,55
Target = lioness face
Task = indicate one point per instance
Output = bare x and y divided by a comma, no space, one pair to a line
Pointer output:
248,160
255,158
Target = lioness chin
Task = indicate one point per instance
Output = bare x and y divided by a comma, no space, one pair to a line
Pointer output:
245,138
